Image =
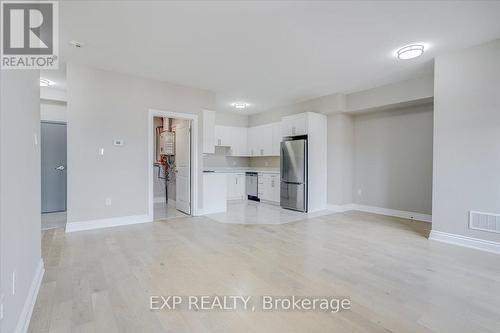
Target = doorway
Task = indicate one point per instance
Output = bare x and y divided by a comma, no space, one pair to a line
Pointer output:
172,180
53,173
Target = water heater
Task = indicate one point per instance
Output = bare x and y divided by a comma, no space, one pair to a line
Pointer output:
167,143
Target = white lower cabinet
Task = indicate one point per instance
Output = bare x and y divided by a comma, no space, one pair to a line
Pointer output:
236,186
269,187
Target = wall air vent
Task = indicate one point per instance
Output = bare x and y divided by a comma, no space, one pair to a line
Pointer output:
484,221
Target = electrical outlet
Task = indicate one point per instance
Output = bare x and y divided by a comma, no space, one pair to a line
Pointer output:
107,201
13,282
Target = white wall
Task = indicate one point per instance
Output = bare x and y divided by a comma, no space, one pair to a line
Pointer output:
334,103
396,94
53,111
393,159
20,190
231,119
368,146
103,106
340,150
466,138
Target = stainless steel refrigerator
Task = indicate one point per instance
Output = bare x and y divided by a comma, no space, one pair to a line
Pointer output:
293,187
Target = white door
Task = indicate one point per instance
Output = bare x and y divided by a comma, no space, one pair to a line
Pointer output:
183,167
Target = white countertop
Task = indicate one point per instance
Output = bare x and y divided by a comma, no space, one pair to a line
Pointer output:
243,170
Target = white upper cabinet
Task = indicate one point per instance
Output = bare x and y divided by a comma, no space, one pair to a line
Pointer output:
233,137
252,143
208,132
294,125
223,136
239,141
263,140
276,141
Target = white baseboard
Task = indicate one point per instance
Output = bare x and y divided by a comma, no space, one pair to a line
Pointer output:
25,317
473,243
381,211
340,208
107,223
393,212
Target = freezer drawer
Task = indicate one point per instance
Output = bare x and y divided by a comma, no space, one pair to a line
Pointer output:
293,196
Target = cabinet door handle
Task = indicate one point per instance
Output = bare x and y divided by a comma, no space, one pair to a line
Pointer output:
236,180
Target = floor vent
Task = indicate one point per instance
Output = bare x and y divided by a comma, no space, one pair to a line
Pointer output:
484,221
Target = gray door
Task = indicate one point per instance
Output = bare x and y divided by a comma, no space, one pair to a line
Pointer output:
53,150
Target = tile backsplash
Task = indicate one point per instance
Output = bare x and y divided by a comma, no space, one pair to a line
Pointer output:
221,159
265,162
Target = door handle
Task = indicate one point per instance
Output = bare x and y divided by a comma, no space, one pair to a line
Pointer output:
60,168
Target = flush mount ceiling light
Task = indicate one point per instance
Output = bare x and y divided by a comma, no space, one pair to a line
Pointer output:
410,51
45,82
239,105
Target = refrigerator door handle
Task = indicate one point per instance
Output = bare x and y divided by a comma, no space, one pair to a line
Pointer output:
293,183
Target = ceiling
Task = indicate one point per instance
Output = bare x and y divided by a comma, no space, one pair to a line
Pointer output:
274,52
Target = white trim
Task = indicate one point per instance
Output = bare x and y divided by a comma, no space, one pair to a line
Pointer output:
393,212
107,223
194,156
339,208
382,211
473,243
25,317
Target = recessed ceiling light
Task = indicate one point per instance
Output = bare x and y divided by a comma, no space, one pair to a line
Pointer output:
76,43
410,51
45,82
239,105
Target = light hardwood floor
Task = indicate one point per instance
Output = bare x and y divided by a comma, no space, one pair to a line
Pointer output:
398,281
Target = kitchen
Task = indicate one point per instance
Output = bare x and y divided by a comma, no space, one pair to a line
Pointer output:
268,166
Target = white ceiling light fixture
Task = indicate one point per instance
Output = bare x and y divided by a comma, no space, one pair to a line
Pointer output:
410,51
240,105
45,82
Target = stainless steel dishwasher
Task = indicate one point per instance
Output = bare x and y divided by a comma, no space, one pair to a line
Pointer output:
252,185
